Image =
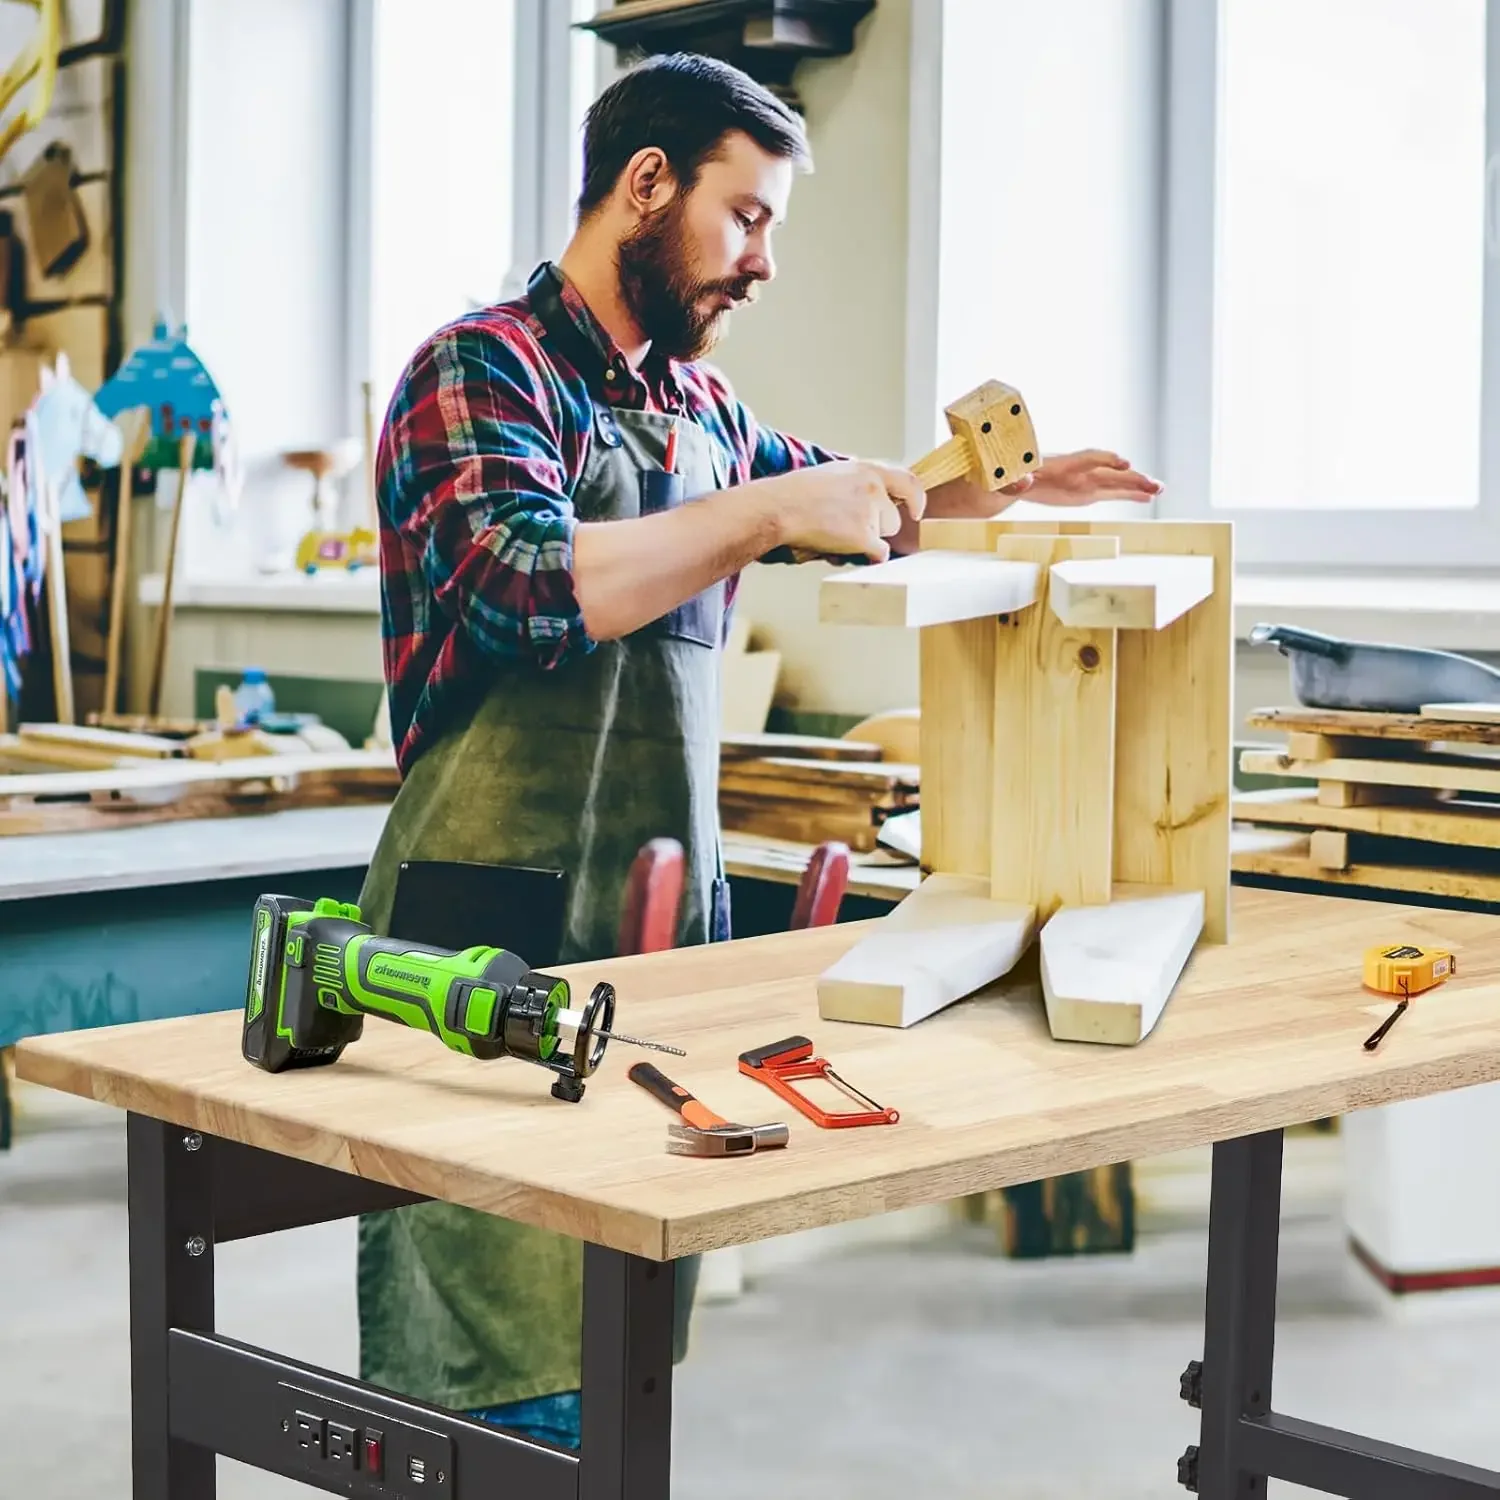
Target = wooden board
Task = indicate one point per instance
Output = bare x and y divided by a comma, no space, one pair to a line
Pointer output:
957,672
378,765
118,742
1053,773
1261,1034
1108,971
1472,824
926,588
1464,713
946,940
1290,857
853,776
1174,720
801,820
1138,592
803,746
1374,726
1450,773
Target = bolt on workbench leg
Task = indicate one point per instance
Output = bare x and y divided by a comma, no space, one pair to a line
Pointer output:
1244,1230
171,1286
626,1451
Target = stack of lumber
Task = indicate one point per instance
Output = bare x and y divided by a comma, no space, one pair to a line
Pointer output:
59,778
807,788
1396,802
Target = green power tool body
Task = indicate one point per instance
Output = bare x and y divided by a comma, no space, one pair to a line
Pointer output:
316,971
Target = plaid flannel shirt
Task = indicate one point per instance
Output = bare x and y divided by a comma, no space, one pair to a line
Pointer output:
486,434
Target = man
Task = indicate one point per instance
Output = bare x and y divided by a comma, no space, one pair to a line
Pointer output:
553,604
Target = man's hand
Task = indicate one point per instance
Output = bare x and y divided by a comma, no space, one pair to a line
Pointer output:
1082,478
844,509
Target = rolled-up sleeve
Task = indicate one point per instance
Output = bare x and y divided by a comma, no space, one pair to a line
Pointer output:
476,480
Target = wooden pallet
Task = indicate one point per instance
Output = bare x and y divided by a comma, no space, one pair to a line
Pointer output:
1397,802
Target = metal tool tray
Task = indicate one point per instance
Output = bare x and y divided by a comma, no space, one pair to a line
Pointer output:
1331,673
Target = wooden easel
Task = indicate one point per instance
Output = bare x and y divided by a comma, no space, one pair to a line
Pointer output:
164,611
135,427
1076,767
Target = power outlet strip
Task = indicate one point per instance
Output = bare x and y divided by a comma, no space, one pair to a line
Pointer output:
362,1451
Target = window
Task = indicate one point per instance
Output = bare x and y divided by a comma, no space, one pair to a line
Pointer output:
1045,235
473,160
1332,329
441,178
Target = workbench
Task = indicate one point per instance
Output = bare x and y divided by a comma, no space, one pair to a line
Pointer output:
1263,1033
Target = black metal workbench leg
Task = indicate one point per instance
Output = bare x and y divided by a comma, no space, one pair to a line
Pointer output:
171,1286
1234,1381
626,1451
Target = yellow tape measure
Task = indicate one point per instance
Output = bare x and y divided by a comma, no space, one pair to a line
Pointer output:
1405,969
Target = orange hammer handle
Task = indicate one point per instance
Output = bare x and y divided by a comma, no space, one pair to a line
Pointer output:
674,1096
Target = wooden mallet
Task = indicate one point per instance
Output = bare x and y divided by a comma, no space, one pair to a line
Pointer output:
993,443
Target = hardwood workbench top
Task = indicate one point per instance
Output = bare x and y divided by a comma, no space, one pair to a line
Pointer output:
1262,1033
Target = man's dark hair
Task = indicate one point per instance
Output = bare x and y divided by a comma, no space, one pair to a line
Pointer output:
685,105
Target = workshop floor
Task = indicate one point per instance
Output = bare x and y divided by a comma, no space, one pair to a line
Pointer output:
937,1370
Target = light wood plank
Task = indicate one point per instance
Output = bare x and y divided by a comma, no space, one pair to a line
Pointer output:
1290,858
944,941
1450,773
1260,1034
120,742
1053,778
802,746
1108,971
1472,824
1140,592
372,764
1174,722
1464,713
926,588
1328,848
957,680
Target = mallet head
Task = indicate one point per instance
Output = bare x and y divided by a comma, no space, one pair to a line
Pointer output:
993,442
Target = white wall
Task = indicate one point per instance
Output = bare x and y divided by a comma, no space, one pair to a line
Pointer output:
823,355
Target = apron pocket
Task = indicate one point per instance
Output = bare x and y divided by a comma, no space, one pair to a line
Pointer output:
700,618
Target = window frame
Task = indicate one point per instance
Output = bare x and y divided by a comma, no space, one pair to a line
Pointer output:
1286,539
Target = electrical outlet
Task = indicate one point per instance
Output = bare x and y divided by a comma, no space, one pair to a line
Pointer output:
364,1453
342,1449
308,1431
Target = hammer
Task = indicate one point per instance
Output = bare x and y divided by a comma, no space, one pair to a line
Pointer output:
993,443
703,1133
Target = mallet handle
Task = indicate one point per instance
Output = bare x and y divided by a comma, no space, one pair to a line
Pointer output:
950,461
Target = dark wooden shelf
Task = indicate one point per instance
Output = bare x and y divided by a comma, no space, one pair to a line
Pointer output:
765,38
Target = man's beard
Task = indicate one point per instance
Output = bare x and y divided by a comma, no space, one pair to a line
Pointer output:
662,292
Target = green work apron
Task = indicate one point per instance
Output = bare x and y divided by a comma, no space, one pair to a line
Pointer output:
572,768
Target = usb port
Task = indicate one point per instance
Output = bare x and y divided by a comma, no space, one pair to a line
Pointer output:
416,1470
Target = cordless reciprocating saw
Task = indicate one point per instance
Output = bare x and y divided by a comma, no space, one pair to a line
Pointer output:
316,971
